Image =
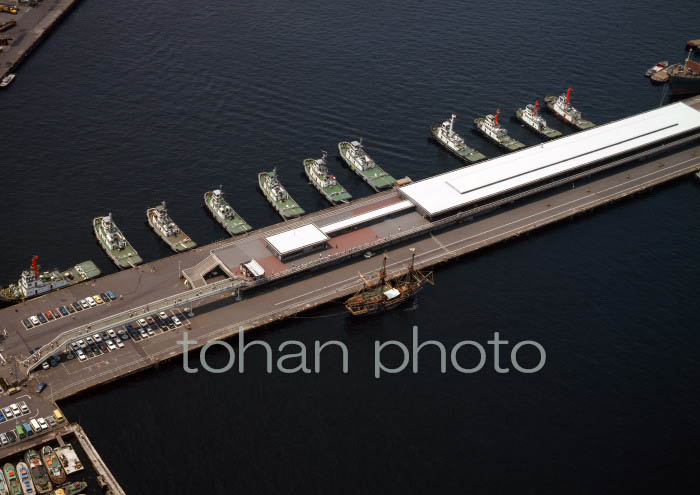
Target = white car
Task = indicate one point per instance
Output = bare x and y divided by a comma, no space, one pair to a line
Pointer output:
24,408
111,333
35,321
177,321
119,342
111,345
8,413
84,303
151,333
91,301
142,322
15,409
81,355
43,424
97,338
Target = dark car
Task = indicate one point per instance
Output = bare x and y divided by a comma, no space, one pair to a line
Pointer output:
11,436
63,310
88,352
71,309
96,349
105,297
77,306
171,323
56,313
40,387
27,324
103,347
104,335
111,295
41,317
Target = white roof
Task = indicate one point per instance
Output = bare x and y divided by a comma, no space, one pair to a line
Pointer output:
470,184
392,293
297,239
366,217
254,268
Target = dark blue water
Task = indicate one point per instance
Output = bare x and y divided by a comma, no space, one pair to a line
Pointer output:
130,103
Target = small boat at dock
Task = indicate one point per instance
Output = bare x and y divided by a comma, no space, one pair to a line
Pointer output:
224,213
533,120
12,480
114,243
658,67
25,479
37,470
167,229
492,129
355,156
278,196
445,135
561,107
322,179
7,80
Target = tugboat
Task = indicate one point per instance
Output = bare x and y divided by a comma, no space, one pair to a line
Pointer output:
685,78
446,136
657,68
163,225
278,196
13,486
114,243
53,465
533,120
561,107
25,480
33,283
319,175
490,128
360,162
383,294
38,471
224,214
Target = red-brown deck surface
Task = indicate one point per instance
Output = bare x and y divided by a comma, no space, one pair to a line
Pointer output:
272,264
352,239
377,205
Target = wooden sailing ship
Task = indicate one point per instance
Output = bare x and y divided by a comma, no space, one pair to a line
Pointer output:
386,294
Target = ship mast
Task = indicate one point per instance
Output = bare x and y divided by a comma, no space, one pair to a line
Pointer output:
537,104
495,117
35,266
413,259
382,273
452,121
568,95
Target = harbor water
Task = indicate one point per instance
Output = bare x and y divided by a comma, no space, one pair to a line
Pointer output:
127,104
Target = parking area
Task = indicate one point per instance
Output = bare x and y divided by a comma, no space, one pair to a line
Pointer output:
114,339
25,415
46,317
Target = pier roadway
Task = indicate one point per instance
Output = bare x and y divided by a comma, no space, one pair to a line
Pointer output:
216,321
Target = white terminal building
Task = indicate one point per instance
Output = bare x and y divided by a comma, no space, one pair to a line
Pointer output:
539,164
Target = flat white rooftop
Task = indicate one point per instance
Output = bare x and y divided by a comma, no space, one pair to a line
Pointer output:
467,185
367,217
294,240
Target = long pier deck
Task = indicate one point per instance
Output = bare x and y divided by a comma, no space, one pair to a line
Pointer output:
287,297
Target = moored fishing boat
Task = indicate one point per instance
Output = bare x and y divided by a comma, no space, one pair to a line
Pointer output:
167,229
114,243
25,479
42,482
13,484
53,465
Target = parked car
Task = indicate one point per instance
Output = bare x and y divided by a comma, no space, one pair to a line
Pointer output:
15,409
104,297
81,355
97,338
27,324
71,309
78,306
8,413
151,333
111,345
51,421
119,342
11,436
3,439
45,365
111,295
56,313
91,301
42,422
97,299
177,321
89,340
48,315
111,333
23,407
84,303
35,320
63,310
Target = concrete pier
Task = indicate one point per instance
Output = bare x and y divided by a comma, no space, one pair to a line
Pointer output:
33,24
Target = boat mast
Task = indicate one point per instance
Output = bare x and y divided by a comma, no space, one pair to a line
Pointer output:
413,259
537,104
382,273
452,121
495,117
568,95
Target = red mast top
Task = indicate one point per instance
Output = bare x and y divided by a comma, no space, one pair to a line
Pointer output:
498,112
568,95
537,104
35,266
